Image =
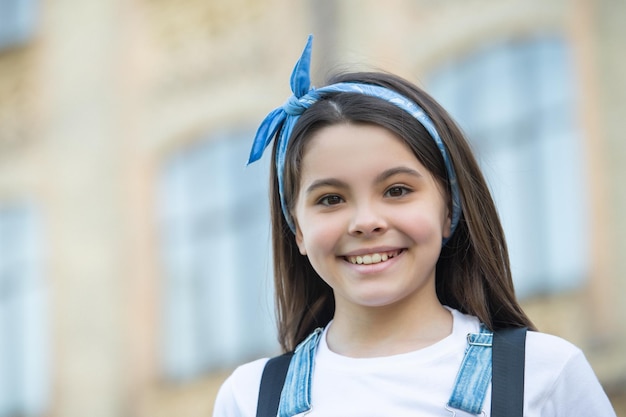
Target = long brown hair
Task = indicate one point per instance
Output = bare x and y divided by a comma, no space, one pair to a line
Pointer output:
473,273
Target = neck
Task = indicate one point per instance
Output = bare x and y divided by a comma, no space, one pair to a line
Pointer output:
389,330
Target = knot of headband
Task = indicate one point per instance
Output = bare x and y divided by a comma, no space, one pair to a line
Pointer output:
283,119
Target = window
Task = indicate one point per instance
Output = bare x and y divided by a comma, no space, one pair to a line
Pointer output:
17,21
218,309
23,341
516,101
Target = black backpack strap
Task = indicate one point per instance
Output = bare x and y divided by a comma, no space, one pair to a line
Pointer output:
507,382
272,382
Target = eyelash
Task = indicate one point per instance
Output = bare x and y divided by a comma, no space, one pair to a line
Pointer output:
402,188
325,200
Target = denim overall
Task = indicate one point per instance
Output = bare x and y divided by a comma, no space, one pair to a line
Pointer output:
468,393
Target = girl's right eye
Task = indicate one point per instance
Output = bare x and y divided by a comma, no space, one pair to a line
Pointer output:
330,200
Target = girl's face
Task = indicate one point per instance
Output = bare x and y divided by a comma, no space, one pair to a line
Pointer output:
370,217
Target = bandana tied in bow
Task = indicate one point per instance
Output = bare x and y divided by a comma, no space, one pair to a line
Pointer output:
284,118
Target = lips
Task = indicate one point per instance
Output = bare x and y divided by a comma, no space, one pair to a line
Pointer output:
372,258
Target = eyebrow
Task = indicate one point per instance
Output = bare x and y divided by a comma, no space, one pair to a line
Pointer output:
333,182
397,171
325,182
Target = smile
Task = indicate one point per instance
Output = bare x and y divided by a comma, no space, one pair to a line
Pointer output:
372,258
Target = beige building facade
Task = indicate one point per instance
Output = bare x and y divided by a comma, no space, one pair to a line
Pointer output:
128,253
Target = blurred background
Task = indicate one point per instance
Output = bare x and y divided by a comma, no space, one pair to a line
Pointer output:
135,269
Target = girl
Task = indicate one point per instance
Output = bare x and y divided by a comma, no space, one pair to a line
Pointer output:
389,257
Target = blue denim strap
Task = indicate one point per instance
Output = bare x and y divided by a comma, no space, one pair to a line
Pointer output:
474,375
296,395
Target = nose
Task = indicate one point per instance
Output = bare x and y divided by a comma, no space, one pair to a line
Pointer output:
367,220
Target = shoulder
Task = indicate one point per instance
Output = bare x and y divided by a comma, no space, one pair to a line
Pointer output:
559,378
549,358
543,347
549,355
239,394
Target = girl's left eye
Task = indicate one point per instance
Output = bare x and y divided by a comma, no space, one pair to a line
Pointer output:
397,191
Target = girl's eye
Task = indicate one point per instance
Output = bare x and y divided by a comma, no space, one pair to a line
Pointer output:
397,191
330,200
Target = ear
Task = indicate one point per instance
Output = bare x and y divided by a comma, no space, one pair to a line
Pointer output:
447,225
300,239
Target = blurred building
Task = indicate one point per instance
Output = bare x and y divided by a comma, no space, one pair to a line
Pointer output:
135,268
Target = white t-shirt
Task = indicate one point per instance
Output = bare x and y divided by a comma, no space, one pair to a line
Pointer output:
558,381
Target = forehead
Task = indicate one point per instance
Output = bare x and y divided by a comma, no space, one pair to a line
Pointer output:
347,147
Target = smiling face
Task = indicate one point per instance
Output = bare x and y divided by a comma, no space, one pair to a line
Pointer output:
369,217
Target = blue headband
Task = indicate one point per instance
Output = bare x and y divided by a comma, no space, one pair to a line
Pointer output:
284,118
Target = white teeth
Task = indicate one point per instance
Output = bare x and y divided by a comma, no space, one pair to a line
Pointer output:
373,258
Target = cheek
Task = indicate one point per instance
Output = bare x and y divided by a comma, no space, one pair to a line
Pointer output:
314,239
424,229
427,225
318,240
